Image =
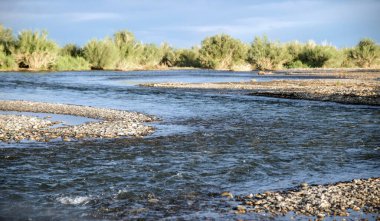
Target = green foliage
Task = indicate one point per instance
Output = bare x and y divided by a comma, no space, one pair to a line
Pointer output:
69,63
7,62
101,54
316,56
294,50
188,58
133,55
35,51
266,55
151,56
71,50
7,40
127,48
366,53
313,55
169,56
221,52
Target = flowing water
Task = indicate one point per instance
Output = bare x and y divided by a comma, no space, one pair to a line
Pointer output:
207,142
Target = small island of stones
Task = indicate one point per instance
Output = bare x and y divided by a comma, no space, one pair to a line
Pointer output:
111,124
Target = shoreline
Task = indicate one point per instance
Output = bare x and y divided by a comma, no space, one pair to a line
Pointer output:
112,124
337,199
267,72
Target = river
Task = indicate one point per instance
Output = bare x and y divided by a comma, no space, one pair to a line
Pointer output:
206,142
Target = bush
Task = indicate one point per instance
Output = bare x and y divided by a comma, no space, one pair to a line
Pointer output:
188,58
101,54
221,52
128,52
365,54
133,55
7,41
169,56
151,56
71,50
7,62
35,51
316,56
69,63
266,55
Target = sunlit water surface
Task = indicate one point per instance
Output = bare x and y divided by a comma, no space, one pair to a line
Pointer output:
207,141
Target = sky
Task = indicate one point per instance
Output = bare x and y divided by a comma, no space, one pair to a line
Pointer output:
185,23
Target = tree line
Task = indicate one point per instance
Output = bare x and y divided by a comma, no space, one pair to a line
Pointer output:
33,50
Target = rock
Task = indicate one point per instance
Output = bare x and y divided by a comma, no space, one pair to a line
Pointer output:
153,200
320,215
241,209
250,196
356,208
304,185
228,195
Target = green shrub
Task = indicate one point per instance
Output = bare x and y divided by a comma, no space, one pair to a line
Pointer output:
7,40
294,49
266,55
35,51
7,62
295,64
128,53
188,58
316,56
365,54
71,50
151,56
221,52
169,56
69,63
101,54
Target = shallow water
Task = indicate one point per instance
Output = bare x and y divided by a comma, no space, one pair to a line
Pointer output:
61,119
208,141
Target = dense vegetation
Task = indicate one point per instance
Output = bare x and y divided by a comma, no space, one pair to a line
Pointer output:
34,51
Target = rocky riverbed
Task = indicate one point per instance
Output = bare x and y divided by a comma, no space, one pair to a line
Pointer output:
113,124
315,200
349,91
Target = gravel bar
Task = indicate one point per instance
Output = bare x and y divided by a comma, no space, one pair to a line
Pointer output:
337,199
348,91
113,124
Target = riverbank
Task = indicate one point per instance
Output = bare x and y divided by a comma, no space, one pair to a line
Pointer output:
342,72
337,199
157,68
348,88
112,124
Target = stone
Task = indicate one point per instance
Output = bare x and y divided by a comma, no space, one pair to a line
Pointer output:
228,195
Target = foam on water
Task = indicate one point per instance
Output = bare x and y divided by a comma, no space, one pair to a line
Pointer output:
74,200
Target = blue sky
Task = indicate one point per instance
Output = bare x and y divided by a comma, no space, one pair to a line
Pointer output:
184,23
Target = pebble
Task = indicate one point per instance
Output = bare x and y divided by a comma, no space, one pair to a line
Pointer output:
241,209
153,200
228,195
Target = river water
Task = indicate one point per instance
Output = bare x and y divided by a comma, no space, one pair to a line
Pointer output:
207,142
